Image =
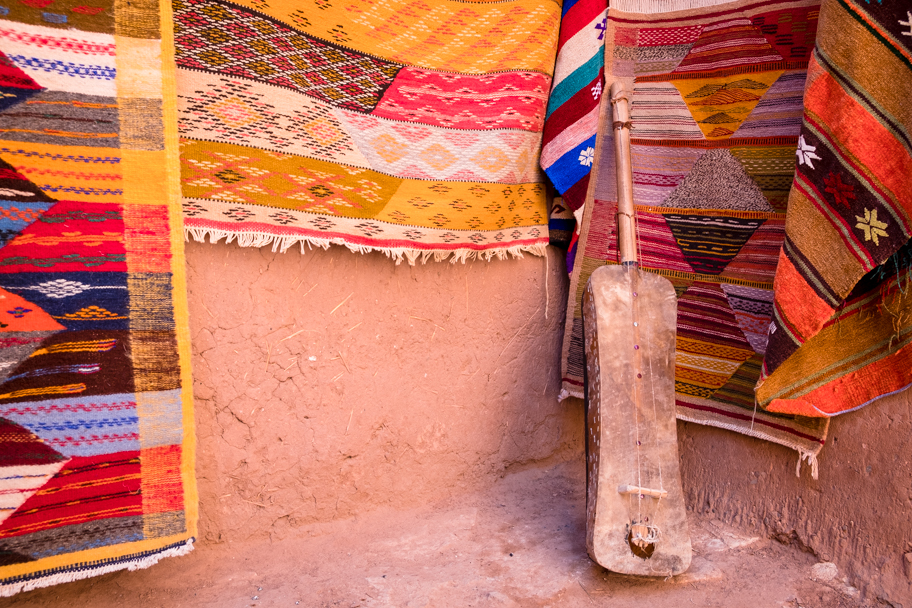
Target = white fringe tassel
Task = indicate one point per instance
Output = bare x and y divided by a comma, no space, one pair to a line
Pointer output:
68,577
283,243
565,394
811,460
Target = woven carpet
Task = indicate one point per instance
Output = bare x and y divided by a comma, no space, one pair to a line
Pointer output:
406,127
842,329
96,436
716,116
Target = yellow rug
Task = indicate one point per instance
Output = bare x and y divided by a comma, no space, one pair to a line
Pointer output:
406,127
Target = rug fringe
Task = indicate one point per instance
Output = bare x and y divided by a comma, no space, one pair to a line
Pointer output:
566,393
85,571
811,458
282,243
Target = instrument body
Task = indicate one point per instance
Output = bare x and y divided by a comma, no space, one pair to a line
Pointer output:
631,437
635,512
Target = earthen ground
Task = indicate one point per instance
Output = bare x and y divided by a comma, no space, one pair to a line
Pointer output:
519,543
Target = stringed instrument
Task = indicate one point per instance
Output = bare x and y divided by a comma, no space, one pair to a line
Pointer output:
636,521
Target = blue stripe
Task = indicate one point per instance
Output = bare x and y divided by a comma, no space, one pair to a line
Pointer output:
571,85
568,4
568,170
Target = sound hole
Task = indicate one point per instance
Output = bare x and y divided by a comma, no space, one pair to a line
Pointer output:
642,540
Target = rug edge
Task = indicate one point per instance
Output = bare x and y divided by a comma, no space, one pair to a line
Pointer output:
809,451
179,293
80,571
282,243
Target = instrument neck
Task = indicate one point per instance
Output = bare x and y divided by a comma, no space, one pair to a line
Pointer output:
626,223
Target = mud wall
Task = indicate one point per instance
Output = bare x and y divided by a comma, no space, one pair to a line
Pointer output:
857,514
330,384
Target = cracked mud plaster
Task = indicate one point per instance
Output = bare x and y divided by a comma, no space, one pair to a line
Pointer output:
330,384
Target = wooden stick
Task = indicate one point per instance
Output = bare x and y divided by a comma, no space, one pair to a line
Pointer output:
621,128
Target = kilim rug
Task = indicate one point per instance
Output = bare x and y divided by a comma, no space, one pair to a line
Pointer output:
716,115
407,127
842,324
96,435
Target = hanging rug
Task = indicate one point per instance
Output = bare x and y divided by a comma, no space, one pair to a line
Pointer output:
841,334
716,113
96,421
405,127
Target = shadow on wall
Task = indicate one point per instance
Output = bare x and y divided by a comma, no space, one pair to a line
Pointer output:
856,515
330,384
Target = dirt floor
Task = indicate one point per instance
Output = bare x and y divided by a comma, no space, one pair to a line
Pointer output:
518,543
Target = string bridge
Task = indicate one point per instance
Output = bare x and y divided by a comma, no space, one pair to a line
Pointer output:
629,489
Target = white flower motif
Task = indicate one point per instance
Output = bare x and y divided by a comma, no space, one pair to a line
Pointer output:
62,288
772,328
587,156
806,153
908,24
597,90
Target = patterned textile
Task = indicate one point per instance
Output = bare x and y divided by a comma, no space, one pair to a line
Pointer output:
716,113
568,141
842,329
561,224
405,127
96,442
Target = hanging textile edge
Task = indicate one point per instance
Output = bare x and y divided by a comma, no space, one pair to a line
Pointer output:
282,243
68,574
661,6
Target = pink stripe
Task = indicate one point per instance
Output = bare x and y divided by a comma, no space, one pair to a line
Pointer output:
570,137
508,100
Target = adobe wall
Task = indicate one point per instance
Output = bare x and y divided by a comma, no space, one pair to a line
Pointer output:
330,384
858,514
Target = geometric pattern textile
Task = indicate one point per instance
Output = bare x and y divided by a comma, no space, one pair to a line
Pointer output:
841,334
709,196
96,435
409,128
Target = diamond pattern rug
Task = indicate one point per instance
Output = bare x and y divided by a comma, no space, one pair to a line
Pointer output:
716,114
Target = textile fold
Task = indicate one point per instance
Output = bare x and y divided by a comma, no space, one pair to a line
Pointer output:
96,420
841,334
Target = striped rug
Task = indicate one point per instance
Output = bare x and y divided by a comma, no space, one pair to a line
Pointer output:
96,420
842,326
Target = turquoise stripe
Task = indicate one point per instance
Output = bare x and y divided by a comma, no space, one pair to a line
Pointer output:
571,85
